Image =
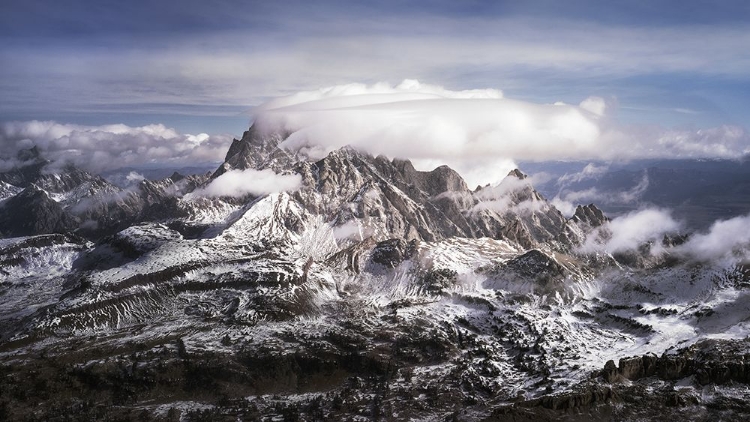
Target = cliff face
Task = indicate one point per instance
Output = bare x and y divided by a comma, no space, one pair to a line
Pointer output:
32,212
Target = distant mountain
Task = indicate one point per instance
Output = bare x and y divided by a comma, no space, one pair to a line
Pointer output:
699,191
41,197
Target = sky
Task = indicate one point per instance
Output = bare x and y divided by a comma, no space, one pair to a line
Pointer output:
210,67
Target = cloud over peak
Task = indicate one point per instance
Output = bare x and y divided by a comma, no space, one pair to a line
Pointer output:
358,94
477,129
479,132
632,230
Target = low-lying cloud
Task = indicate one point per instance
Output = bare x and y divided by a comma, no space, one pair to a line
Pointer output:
512,194
632,230
724,239
590,171
97,148
566,200
238,183
478,132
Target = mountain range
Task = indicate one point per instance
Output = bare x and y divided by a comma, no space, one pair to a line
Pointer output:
366,289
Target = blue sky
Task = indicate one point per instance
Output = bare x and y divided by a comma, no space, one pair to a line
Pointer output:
200,66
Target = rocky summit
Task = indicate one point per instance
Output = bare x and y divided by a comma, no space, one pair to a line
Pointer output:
368,291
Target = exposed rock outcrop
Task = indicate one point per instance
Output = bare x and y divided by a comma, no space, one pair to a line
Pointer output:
708,361
33,212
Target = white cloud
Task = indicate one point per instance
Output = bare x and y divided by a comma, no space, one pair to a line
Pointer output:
631,230
595,105
590,171
134,177
478,130
110,147
237,183
727,142
629,196
357,94
725,238
349,230
566,200
510,195
464,129
567,208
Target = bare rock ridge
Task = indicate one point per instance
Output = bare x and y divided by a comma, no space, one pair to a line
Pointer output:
589,215
41,197
31,212
393,196
585,219
255,151
387,198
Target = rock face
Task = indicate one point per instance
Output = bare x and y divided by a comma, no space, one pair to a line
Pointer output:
585,219
394,200
589,215
33,212
708,361
384,198
390,253
535,263
349,186
536,270
651,387
255,151
36,170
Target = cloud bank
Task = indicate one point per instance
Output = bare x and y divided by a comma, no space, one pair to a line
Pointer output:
632,230
510,195
108,147
724,239
478,132
238,183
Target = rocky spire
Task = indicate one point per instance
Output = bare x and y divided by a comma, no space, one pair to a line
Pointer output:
256,150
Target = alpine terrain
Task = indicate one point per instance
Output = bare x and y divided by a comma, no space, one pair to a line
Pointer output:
363,290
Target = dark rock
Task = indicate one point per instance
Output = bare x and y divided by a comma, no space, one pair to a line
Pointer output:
517,232
610,372
426,205
30,154
709,361
584,221
256,150
589,215
517,173
176,177
33,212
535,264
390,253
